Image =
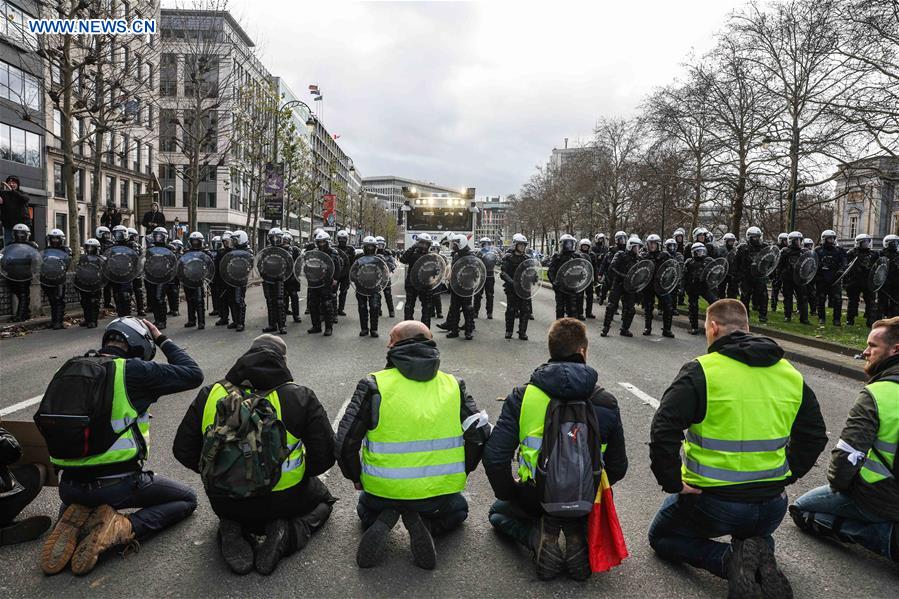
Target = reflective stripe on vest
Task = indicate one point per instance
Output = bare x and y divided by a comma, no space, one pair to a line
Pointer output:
880,467
416,451
122,419
749,414
293,468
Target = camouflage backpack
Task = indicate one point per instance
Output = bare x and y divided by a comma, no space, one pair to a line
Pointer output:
244,446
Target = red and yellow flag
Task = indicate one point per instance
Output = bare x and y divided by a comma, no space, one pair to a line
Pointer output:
604,537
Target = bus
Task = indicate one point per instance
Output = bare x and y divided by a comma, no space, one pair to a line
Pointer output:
438,215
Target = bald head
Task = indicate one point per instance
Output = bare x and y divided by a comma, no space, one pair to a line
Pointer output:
408,329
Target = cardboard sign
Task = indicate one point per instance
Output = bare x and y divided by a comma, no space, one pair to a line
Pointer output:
34,449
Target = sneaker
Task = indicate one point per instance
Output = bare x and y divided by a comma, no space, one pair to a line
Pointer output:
27,529
374,539
577,560
106,528
60,545
235,548
273,548
741,566
772,580
420,541
547,554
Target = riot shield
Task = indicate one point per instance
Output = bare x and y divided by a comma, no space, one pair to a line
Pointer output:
195,268
235,267
54,264
20,262
668,276
639,276
160,264
765,261
574,276
467,275
491,259
274,263
123,264
877,276
805,268
527,278
89,274
714,272
369,275
428,272
319,268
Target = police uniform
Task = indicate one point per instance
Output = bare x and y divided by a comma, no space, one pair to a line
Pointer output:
831,264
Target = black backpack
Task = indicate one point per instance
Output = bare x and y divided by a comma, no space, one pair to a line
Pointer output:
75,411
244,446
570,462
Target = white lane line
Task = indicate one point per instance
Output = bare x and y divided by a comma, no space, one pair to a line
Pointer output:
399,306
334,426
399,296
644,397
503,304
21,405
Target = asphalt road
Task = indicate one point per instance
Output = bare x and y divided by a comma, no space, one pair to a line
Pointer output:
473,561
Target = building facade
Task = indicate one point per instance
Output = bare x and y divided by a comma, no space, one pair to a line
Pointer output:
493,220
391,188
867,200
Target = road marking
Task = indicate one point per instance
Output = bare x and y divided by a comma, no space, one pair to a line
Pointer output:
503,304
644,397
334,426
399,306
399,296
21,405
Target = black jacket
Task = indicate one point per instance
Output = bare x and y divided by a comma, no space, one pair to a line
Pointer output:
111,219
14,209
684,404
746,254
151,220
409,257
301,413
348,254
569,379
860,432
831,263
858,276
417,359
10,452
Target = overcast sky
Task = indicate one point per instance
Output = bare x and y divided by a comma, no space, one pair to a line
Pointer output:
474,94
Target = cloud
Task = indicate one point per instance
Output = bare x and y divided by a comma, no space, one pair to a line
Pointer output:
474,94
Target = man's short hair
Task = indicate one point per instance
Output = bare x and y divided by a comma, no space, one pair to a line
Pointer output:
730,314
891,334
567,336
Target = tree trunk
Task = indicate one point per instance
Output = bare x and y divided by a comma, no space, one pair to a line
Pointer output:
96,161
68,152
739,196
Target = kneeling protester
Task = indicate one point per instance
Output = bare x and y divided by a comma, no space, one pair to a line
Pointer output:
258,441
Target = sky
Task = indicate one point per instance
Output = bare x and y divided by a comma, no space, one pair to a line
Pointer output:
475,94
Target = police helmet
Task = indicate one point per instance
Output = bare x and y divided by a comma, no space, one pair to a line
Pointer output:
56,237
134,334
698,250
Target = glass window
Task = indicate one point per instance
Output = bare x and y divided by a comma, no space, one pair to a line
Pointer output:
137,148
17,144
137,191
110,190
4,80
15,84
61,220
32,97
79,178
5,153
59,188
33,149
124,191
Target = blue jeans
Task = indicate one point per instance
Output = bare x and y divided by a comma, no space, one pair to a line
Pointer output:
848,521
442,513
685,525
162,501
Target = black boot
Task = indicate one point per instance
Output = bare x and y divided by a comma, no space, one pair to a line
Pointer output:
235,548
273,548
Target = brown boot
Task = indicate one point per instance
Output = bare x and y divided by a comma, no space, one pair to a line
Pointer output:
60,545
106,529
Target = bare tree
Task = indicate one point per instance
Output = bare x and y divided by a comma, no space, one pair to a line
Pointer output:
617,143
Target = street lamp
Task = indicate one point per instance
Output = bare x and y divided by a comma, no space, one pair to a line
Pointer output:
310,127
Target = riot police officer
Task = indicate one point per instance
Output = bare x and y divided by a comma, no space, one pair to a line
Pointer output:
831,260
21,290
421,248
599,249
273,290
729,286
459,305
237,296
56,293
695,285
196,297
489,283
348,254
218,288
753,288
437,294
606,285
156,296
90,300
789,257
323,300
776,281
387,256
104,236
658,257
618,269
679,237
585,299
121,292
857,279
292,284
516,307
173,288
369,305
566,302
809,246
888,296
137,285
